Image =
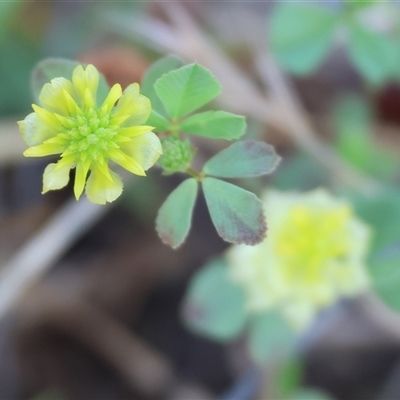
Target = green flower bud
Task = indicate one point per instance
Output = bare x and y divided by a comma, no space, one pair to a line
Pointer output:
177,154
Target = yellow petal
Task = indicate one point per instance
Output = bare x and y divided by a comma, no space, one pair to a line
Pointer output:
66,160
126,162
72,105
145,149
82,169
90,101
83,79
35,131
132,108
52,97
43,150
121,139
55,179
135,130
113,95
100,189
49,118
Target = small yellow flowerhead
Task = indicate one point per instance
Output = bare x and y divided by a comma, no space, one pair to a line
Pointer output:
88,136
315,253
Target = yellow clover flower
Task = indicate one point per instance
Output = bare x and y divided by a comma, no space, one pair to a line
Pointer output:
88,136
314,253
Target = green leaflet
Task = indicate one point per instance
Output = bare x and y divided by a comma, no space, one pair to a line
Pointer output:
158,69
158,121
236,213
300,36
51,68
215,125
243,159
214,306
375,55
271,338
186,89
175,215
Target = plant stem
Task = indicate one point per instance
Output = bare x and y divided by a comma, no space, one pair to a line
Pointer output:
199,176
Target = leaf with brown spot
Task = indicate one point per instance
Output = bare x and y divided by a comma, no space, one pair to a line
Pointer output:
236,213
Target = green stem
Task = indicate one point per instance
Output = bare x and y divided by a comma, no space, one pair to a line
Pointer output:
174,128
196,175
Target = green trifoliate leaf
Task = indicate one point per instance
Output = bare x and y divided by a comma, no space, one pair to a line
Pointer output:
376,56
214,306
177,154
215,124
243,159
236,213
51,68
158,69
300,36
186,89
270,337
175,215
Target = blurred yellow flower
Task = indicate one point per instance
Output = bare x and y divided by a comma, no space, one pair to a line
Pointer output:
314,253
88,136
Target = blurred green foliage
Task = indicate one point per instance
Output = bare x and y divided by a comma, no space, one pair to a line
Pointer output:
51,68
382,212
302,35
353,123
30,31
214,306
18,57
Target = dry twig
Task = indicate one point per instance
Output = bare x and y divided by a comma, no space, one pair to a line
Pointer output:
12,144
40,253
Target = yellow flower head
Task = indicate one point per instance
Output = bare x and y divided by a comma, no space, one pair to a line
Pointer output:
315,253
88,136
